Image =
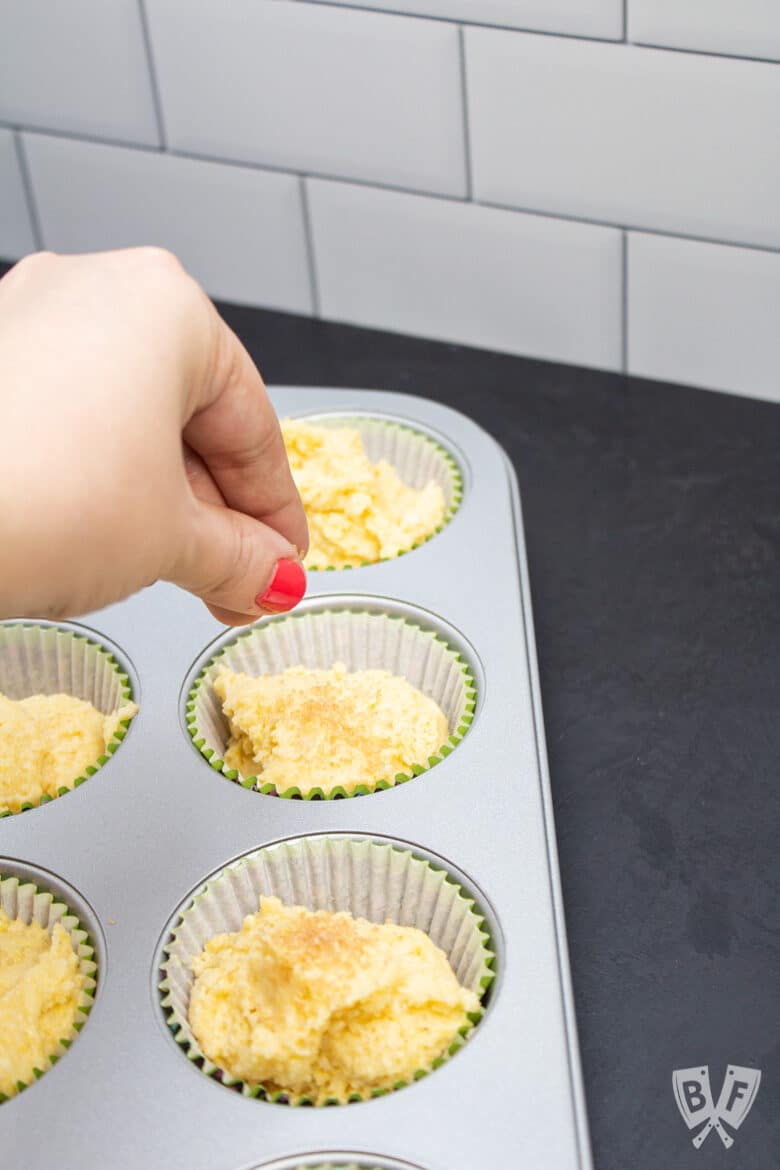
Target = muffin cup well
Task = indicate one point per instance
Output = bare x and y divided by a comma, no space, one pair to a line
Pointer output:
363,640
376,880
29,903
337,1161
49,659
417,457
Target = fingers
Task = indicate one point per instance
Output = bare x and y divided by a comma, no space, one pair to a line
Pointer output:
233,428
240,567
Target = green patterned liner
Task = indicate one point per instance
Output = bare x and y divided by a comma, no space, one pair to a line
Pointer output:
316,639
417,457
336,1166
50,660
337,1162
28,902
371,879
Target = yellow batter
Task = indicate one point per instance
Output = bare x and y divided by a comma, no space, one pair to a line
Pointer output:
324,1004
47,742
324,728
40,988
358,511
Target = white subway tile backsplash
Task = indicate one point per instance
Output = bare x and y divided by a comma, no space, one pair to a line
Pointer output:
704,314
474,275
748,28
316,89
677,142
79,66
16,230
239,231
584,18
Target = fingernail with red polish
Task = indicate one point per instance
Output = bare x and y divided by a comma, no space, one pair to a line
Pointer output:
287,587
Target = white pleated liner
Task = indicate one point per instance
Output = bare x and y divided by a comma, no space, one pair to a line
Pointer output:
365,1163
47,660
314,1162
363,641
370,879
27,902
416,457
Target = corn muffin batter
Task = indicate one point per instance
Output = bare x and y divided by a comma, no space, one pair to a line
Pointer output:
324,728
40,988
324,1004
47,742
358,511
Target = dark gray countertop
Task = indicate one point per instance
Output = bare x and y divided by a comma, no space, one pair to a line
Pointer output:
652,518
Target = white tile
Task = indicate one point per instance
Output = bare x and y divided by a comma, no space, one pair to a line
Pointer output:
238,231
748,28
16,231
584,18
437,268
704,314
678,142
79,66
311,88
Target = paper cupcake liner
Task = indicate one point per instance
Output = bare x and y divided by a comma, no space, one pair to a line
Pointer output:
363,1165
337,1162
54,660
30,903
416,456
371,879
362,640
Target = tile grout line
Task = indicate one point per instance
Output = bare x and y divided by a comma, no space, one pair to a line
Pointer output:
624,302
308,234
430,16
156,99
664,233
84,136
29,193
270,169
465,107
544,32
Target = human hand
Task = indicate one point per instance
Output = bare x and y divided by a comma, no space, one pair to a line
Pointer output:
138,444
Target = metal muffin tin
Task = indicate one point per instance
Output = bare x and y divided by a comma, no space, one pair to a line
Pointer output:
156,820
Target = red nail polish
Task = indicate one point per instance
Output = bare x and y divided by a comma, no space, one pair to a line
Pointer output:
287,587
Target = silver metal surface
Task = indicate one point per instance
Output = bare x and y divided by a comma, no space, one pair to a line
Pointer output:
157,819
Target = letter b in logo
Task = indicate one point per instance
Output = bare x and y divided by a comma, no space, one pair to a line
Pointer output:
694,1096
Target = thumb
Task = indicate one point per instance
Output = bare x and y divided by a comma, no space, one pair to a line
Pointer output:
239,566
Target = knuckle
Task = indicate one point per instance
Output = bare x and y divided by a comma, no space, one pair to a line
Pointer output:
34,261
159,257
237,563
